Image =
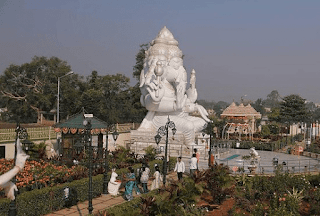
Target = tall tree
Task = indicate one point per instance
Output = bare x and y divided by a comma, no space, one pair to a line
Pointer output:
32,86
138,111
219,107
273,99
258,106
140,61
293,109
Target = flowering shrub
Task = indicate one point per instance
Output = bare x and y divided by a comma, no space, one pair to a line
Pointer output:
37,174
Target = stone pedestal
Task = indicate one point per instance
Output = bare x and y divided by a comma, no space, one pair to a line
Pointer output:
140,140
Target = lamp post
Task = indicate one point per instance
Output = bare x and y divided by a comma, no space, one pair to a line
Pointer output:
87,137
210,148
58,99
106,164
22,134
164,131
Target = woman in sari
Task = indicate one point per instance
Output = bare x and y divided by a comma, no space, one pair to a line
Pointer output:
131,184
157,179
114,184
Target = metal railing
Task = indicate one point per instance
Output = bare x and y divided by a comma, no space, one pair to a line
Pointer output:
284,166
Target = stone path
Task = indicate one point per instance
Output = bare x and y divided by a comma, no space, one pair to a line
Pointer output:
99,203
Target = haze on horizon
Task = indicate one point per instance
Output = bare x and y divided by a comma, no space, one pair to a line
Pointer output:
237,48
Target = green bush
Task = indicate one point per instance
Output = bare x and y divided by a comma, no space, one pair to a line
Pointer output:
298,137
177,199
4,206
265,131
274,128
151,153
45,200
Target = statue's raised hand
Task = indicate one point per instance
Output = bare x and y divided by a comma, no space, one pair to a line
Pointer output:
154,86
21,156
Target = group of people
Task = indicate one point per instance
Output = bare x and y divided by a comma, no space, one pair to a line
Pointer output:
194,165
142,175
133,180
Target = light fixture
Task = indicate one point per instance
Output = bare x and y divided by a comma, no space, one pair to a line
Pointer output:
115,135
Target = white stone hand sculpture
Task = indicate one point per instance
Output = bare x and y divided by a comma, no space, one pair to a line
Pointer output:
153,87
21,156
5,178
9,189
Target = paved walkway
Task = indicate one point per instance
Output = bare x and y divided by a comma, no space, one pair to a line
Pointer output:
99,203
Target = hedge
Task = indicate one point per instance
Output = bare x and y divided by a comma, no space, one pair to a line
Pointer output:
46,200
258,146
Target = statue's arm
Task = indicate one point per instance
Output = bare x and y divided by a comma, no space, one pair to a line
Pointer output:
6,177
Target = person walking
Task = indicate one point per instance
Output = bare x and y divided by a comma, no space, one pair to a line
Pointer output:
144,179
179,168
131,184
157,179
193,165
197,156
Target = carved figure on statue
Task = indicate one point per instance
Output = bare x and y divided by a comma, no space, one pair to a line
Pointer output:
163,84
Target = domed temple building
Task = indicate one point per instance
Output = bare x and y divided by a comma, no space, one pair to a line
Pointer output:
240,119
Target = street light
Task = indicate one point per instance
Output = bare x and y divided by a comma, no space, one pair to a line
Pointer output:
87,139
58,100
210,149
105,174
163,131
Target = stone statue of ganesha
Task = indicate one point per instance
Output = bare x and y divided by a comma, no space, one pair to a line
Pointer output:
164,92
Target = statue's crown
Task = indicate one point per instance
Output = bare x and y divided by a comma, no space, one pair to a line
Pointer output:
165,37
165,44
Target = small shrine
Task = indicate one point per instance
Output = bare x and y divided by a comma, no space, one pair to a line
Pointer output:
240,119
72,131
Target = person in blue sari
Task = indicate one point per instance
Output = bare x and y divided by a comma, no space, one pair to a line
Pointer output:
131,184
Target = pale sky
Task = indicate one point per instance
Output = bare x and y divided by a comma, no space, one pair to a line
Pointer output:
237,48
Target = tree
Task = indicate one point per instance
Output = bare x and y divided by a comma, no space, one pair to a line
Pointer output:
140,61
257,105
265,131
32,86
274,114
138,111
316,114
272,99
110,98
219,107
293,109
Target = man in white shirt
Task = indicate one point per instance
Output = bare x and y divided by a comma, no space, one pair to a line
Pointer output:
193,164
179,168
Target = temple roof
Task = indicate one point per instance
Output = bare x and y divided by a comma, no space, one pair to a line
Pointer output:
241,110
76,121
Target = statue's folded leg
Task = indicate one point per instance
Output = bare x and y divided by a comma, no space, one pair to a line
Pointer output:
186,127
